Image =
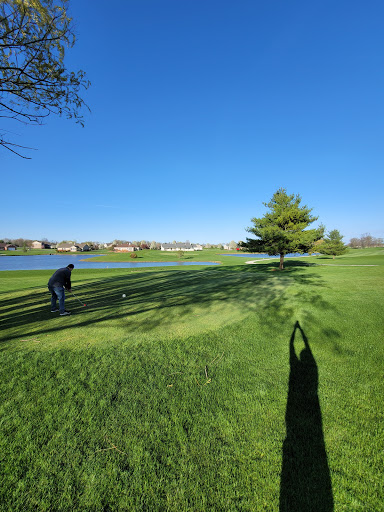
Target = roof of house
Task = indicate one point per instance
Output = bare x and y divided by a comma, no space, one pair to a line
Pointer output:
67,246
178,245
126,245
43,243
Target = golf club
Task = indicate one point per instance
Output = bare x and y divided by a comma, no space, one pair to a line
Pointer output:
82,303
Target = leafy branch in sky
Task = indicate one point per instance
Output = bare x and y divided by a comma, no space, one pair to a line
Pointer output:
34,81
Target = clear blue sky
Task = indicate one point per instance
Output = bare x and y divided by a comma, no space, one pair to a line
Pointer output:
201,110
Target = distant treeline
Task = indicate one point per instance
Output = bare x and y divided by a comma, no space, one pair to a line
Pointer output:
366,241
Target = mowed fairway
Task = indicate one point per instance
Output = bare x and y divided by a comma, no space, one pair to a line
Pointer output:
235,387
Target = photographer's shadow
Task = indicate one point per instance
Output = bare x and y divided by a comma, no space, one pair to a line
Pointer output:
305,477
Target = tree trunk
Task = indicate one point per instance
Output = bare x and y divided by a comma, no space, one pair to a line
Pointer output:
281,262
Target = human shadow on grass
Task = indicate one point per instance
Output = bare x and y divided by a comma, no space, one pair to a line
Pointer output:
159,294
305,478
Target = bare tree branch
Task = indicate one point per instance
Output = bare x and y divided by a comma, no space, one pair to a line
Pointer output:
34,81
6,145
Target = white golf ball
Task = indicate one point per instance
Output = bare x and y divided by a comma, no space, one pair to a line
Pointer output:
123,295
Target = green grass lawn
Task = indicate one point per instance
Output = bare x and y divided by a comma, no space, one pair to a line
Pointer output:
155,255
236,387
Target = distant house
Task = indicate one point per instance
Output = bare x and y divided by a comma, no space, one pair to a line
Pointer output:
68,248
7,247
83,247
126,248
179,246
63,247
40,245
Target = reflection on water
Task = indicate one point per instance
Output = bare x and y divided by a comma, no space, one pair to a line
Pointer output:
305,478
54,261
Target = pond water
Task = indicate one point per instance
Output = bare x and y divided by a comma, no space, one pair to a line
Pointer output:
255,255
55,261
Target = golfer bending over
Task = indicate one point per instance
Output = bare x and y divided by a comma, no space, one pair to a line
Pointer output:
61,279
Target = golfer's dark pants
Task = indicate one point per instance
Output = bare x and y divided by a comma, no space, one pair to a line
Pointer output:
57,292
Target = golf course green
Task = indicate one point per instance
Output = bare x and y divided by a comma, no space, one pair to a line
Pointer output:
222,388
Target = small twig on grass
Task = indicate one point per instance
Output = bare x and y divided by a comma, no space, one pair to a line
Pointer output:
113,447
216,358
104,449
214,361
31,339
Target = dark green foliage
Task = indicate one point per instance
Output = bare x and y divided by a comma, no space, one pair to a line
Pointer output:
333,244
282,230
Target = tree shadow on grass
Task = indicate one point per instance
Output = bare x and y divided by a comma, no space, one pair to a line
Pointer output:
305,478
165,297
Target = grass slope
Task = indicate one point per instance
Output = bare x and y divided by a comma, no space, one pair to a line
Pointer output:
209,388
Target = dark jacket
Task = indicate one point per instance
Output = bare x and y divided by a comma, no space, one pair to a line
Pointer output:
61,277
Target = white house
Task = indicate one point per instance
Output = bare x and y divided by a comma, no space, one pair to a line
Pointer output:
68,248
179,246
126,248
